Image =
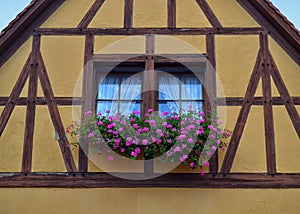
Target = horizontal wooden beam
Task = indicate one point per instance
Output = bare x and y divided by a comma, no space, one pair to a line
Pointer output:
259,101
143,31
171,180
228,101
62,101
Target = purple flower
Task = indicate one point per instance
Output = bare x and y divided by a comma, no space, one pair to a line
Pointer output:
135,126
110,158
128,143
164,113
107,111
122,150
183,146
202,172
158,131
214,148
145,142
153,139
169,141
208,153
145,129
88,113
164,123
99,114
176,117
132,119
134,154
206,164
92,134
190,140
210,127
192,164
150,110
169,126
129,139
177,149
158,141
218,142
137,150
147,115
140,130
135,112
120,129
181,137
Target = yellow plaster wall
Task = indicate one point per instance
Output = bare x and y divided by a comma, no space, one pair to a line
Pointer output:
63,57
148,201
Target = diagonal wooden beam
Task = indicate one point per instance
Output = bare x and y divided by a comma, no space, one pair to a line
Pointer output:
285,96
243,115
88,97
86,20
209,14
55,116
15,93
171,13
31,107
128,10
268,109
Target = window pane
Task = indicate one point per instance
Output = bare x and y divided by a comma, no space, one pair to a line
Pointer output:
191,88
168,87
127,108
131,86
196,106
108,87
169,107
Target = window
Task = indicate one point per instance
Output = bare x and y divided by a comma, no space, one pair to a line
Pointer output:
121,90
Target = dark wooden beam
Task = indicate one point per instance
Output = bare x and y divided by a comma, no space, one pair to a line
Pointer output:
171,180
86,20
228,101
128,10
143,31
211,90
268,109
31,106
209,13
243,115
61,101
55,116
171,13
87,96
149,94
15,93
259,101
285,96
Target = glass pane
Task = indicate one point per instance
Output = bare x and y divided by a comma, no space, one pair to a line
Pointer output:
168,87
191,88
127,108
169,107
108,87
102,106
196,106
131,87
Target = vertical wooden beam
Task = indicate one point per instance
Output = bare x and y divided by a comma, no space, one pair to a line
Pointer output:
88,98
128,10
285,96
31,106
149,89
55,116
209,14
171,13
211,90
86,20
243,115
15,93
268,109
